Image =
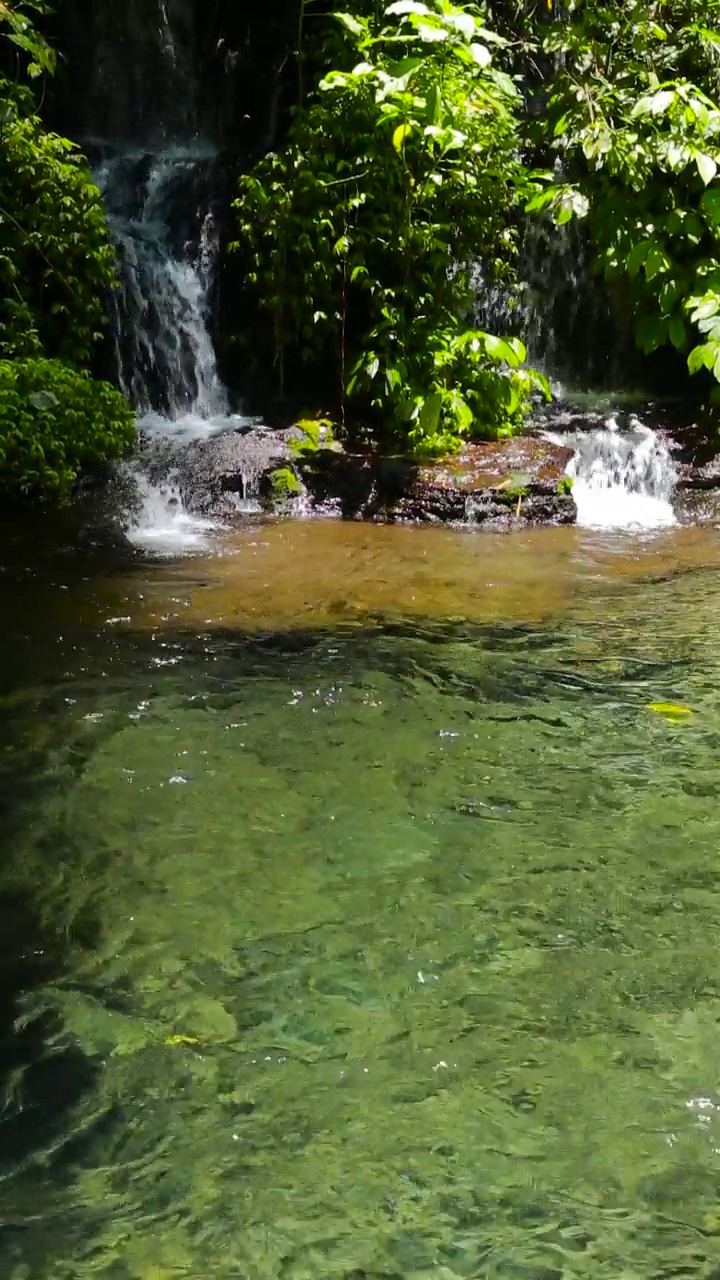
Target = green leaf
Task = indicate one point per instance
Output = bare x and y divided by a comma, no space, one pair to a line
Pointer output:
655,262
678,332
405,68
402,132
430,410
43,401
352,24
651,332
463,413
707,308
503,349
661,101
706,166
462,22
401,7
481,55
429,34
710,205
434,106
637,256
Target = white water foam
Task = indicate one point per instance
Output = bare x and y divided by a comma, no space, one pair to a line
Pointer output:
190,426
622,479
162,526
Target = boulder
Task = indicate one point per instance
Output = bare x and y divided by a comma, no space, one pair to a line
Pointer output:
502,483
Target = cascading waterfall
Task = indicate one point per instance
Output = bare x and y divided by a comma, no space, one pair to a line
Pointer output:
622,478
165,357
162,222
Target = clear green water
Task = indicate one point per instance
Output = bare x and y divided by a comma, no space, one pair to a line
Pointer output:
389,950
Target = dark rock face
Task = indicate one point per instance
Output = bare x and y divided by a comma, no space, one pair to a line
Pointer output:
129,71
155,72
502,485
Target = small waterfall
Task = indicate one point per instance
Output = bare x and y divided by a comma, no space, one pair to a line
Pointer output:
161,217
622,478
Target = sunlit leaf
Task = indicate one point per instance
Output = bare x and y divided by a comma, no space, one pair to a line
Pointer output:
429,415
400,135
706,166
481,55
673,711
400,7
351,23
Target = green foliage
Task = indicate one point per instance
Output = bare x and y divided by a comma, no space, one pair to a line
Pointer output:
55,422
35,57
632,113
360,234
55,265
55,257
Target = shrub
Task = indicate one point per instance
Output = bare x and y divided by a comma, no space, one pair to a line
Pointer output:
362,233
54,423
56,261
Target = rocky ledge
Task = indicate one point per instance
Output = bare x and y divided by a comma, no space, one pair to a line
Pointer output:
501,484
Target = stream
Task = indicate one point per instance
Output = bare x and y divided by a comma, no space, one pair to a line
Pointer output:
361,906
359,891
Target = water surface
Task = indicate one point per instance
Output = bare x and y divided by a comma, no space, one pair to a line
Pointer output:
360,916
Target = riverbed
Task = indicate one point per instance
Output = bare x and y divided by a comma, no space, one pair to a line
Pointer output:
361,905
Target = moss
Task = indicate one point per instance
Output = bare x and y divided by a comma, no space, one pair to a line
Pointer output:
283,483
565,485
512,493
317,433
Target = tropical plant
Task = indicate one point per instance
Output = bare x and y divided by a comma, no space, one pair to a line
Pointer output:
361,235
34,57
633,117
54,423
56,262
56,265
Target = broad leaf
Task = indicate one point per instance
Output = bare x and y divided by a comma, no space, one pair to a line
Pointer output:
400,135
706,166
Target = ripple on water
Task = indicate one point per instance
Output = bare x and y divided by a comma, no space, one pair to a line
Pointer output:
415,973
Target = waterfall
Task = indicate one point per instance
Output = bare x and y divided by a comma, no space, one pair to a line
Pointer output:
161,217
622,478
162,222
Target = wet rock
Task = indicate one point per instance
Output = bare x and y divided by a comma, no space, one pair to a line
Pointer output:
697,490
502,483
499,484
218,475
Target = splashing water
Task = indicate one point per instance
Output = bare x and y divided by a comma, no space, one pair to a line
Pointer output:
621,479
161,525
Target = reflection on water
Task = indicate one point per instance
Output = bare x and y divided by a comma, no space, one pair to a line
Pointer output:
363,917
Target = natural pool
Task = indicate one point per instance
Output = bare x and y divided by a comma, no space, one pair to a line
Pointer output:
361,917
